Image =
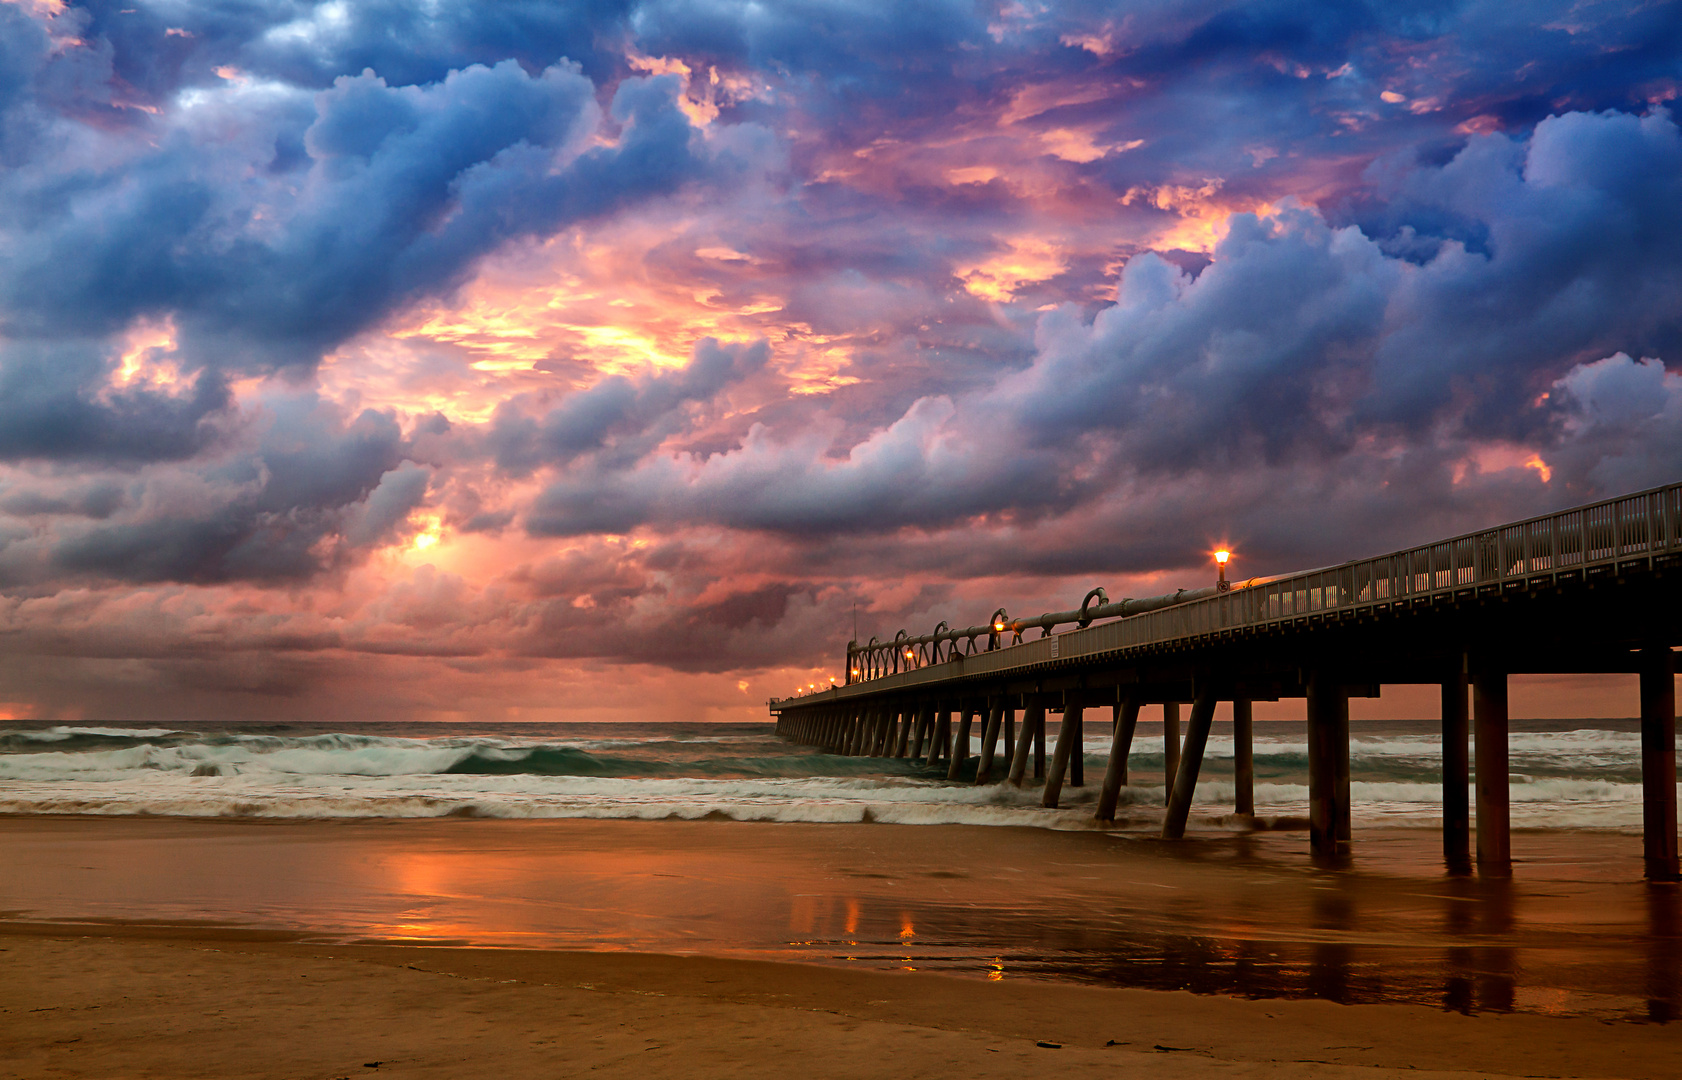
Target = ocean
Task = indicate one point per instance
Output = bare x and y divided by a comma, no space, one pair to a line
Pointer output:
1583,774
458,835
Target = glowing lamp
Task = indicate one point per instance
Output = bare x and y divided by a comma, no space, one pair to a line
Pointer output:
1221,583
1222,556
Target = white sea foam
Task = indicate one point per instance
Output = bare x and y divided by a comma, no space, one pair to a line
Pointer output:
62,733
170,772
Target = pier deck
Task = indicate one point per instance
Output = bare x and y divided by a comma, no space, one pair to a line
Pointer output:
1591,589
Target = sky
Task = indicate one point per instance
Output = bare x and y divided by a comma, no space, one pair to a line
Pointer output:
606,360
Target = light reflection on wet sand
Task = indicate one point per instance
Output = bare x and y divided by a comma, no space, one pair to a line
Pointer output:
1574,932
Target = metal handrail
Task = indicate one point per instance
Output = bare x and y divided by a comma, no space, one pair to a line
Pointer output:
1569,542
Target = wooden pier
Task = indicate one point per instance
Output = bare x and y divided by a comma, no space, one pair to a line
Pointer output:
1592,589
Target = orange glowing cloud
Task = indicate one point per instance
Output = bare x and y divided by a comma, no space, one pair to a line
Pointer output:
1027,259
147,357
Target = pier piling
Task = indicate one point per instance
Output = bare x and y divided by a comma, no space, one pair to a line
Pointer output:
1489,717
1243,758
1121,743
960,745
942,746
1191,762
1457,777
1170,745
1067,738
1658,764
1077,745
1328,766
989,740
1033,719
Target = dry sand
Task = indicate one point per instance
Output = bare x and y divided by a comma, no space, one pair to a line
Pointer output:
93,989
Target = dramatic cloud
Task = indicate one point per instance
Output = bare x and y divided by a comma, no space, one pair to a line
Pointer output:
486,348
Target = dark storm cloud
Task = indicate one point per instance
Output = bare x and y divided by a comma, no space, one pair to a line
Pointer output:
318,487
634,414
1479,264
157,49
54,405
401,190
1298,343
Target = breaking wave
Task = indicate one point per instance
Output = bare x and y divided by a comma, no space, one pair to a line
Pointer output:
1582,779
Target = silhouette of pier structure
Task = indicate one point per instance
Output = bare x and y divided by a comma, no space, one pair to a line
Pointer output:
1592,589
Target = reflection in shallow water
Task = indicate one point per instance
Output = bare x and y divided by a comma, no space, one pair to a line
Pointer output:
1664,952
1574,932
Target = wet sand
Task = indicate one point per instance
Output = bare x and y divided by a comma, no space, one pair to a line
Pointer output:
169,947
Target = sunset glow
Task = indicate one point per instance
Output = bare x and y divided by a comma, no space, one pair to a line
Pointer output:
473,368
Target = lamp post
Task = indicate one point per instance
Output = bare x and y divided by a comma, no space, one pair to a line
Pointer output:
1221,583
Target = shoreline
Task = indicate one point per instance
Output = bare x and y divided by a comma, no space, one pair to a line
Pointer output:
1250,914
123,1002
468,947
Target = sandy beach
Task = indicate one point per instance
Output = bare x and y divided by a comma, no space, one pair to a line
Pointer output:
154,947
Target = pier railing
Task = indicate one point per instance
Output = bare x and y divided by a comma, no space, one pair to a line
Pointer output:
1581,541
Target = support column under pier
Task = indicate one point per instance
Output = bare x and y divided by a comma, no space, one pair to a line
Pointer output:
989,741
942,747
1329,831
960,745
1170,745
1191,762
861,731
1658,764
1077,744
1457,777
1068,738
1033,726
1121,744
1489,718
1243,757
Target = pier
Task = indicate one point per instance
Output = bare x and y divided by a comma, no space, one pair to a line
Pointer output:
1593,589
